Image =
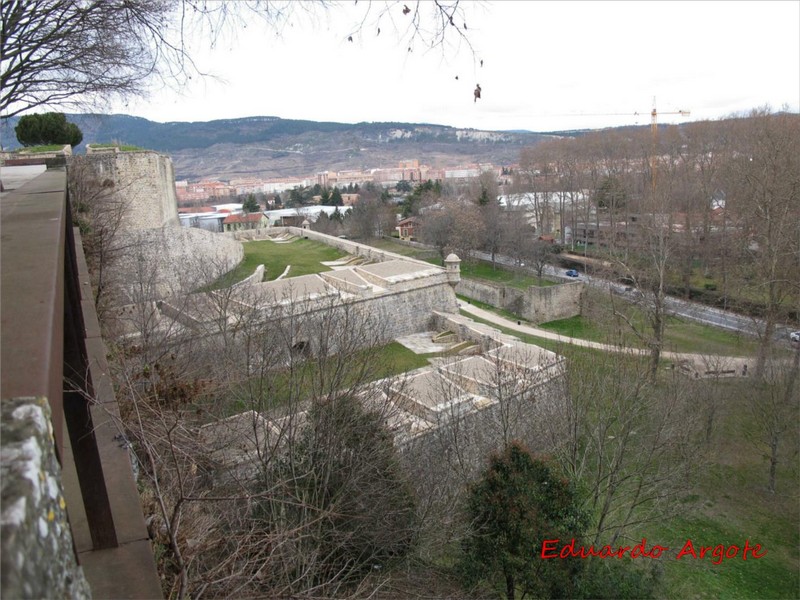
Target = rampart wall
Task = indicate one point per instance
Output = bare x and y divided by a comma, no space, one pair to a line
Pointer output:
155,263
400,313
535,304
145,181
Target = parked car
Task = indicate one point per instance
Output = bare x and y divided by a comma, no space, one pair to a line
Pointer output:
572,273
794,338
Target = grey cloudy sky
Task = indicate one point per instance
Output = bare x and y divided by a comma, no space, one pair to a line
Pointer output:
547,66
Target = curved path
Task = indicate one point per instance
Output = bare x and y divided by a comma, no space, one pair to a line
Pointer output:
700,364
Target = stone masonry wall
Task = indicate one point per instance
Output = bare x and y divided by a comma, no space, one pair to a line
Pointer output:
156,263
535,304
393,315
38,559
543,304
146,183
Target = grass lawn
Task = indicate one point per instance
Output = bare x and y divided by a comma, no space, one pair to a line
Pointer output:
385,361
598,324
484,270
731,504
38,149
404,250
304,256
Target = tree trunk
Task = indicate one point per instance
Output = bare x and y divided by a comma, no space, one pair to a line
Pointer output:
773,462
510,587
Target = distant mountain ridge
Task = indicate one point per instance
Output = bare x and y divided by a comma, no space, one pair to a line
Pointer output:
267,146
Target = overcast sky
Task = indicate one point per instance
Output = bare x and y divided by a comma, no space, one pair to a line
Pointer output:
547,66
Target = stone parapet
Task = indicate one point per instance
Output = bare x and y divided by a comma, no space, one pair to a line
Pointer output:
38,560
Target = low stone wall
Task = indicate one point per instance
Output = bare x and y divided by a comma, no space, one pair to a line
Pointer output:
543,304
256,277
38,559
534,304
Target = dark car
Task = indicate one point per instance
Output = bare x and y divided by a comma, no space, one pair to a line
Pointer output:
572,273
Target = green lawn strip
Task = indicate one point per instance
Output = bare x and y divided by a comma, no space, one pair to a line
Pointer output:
481,270
577,326
689,336
681,335
121,147
388,245
39,149
547,344
304,256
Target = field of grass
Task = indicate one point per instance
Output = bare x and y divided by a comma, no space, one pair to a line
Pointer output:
731,504
598,324
385,361
40,149
483,270
305,257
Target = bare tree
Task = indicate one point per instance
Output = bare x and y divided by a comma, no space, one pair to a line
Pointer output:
631,445
539,254
68,52
764,191
774,403
99,211
58,51
370,218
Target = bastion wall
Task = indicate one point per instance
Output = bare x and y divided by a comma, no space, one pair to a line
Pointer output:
157,263
144,181
534,304
152,256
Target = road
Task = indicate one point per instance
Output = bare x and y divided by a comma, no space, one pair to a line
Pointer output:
677,306
699,365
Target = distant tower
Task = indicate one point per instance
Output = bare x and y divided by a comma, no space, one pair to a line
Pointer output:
452,265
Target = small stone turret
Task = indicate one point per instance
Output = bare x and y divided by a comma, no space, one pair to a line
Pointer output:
452,265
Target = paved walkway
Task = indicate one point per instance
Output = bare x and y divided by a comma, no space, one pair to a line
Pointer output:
701,365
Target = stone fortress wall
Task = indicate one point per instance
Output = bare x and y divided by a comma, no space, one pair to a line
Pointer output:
157,257
144,180
535,304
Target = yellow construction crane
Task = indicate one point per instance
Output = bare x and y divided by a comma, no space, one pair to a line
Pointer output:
654,131
654,119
